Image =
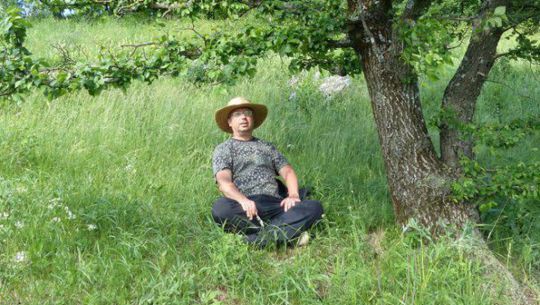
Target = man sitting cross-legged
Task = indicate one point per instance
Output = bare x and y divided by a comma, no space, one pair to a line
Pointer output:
245,169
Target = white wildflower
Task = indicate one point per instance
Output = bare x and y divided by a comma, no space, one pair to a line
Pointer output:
56,219
293,82
21,189
130,168
70,215
4,215
91,227
334,84
19,224
292,96
20,257
55,202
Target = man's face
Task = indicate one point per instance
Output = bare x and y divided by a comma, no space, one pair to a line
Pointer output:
241,120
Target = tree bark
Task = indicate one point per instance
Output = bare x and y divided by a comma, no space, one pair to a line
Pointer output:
419,182
461,94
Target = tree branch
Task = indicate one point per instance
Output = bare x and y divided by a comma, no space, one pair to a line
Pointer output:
359,16
137,46
144,44
189,53
500,55
461,93
201,36
340,44
459,44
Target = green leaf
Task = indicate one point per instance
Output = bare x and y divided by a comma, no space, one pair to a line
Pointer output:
500,11
497,21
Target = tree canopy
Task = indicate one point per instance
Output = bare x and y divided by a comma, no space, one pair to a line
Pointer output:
312,33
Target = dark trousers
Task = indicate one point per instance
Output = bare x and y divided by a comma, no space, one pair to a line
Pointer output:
280,227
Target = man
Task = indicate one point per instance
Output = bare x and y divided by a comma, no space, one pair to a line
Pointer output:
245,169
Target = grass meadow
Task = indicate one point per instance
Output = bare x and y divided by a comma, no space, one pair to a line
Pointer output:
106,200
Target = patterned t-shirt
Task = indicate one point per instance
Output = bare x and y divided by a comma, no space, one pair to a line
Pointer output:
254,165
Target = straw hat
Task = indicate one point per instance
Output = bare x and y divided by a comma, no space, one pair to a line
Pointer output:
259,113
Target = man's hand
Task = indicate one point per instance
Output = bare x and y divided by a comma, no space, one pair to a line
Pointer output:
289,202
250,208
229,189
291,181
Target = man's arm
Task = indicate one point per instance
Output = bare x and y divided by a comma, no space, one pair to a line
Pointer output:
288,174
229,190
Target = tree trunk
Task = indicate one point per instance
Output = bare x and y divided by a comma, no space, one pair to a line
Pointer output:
462,92
419,182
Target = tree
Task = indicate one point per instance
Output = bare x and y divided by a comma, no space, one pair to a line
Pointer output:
390,42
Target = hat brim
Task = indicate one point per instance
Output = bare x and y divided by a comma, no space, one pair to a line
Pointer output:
222,115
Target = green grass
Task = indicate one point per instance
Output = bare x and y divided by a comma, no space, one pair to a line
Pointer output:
137,166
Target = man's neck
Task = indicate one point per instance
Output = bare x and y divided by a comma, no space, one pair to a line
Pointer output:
243,136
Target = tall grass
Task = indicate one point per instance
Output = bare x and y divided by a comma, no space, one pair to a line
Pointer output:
106,200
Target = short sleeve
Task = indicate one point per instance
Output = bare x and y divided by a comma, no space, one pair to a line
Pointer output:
278,159
221,159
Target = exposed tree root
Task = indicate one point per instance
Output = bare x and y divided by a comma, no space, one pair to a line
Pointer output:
500,283
497,276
